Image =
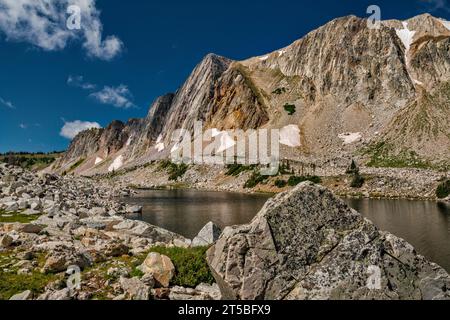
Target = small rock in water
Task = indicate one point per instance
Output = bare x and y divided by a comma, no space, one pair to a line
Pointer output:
135,209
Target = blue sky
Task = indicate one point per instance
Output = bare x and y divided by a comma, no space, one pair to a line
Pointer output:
49,81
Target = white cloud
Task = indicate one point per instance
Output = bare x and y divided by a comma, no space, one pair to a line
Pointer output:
78,81
119,97
6,103
43,23
71,129
434,5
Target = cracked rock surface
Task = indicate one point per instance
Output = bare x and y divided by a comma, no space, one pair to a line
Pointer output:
307,244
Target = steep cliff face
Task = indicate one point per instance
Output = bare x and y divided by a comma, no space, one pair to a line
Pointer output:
191,102
86,143
144,137
348,88
237,102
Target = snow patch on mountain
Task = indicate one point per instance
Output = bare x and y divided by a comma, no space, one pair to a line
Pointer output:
160,147
406,36
290,136
98,160
445,23
130,139
350,138
117,164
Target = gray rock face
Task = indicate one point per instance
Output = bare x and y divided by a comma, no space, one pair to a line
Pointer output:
207,236
26,295
135,289
307,244
343,77
6,241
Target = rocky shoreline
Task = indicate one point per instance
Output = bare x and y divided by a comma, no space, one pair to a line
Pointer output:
68,238
380,183
307,244
54,223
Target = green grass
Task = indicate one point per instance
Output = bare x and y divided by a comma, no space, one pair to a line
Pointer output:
295,180
17,217
381,158
12,283
76,165
290,109
443,190
236,169
255,179
174,170
280,183
190,264
357,181
30,161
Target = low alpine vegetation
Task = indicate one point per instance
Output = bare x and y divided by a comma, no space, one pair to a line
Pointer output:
357,179
12,217
255,179
30,161
290,109
296,180
175,171
443,190
279,91
76,165
236,169
280,183
190,264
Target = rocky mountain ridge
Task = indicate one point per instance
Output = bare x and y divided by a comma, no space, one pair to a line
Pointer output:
379,94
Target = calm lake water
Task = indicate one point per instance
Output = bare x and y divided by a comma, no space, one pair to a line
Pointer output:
426,225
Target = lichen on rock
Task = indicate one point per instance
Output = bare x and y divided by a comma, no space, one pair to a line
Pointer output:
307,244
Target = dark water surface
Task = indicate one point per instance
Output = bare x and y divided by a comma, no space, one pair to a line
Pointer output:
187,211
426,225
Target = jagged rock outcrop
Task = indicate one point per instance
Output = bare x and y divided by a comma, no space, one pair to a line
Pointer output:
85,143
193,98
207,236
95,145
341,80
307,244
153,126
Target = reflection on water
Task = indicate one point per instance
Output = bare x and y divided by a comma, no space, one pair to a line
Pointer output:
426,225
187,211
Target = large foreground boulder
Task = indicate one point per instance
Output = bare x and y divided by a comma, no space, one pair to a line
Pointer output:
307,244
